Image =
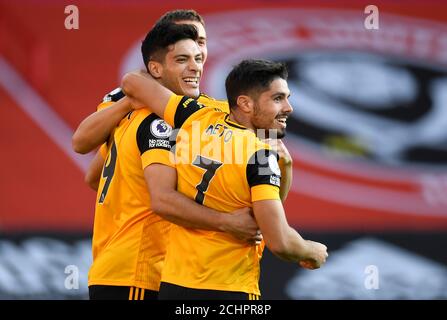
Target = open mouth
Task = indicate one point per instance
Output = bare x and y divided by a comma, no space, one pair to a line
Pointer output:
282,121
192,81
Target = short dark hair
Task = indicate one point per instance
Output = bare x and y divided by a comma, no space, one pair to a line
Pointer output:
181,15
162,35
252,76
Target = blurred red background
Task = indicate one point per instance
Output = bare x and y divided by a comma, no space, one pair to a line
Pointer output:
51,78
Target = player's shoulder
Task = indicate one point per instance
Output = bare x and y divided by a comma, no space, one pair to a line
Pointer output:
254,141
143,113
153,133
256,147
259,145
144,117
205,97
262,154
156,125
208,101
135,119
251,142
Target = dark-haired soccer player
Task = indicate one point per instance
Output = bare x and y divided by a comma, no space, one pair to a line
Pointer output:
227,168
129,240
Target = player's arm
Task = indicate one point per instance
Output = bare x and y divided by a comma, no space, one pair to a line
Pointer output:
286,178
93,174
142,89
263,176
96,128
175,207
282,240
286,167
145,90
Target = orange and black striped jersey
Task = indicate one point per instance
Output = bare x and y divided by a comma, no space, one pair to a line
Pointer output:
224,166
129,240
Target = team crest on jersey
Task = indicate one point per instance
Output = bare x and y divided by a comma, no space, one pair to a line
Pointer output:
160,129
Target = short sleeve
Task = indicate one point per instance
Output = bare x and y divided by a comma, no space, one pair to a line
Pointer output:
114,95
154,141
103,105
264,175
103,150
179,109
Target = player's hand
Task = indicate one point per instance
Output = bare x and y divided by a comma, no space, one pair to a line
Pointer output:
242,225
316,256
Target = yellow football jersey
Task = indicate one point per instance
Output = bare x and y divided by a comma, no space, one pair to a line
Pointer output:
224,166
129,240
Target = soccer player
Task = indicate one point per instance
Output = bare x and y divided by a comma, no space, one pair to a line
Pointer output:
222,164
129,239
95,129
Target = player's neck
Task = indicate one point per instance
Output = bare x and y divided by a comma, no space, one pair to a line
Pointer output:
240,119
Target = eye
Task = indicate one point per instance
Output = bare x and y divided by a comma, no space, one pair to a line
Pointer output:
277,99
202,42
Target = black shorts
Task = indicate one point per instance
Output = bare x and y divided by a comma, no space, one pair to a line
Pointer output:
169,291
120,293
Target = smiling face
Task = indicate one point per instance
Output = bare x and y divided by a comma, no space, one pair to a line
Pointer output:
272,108
182,68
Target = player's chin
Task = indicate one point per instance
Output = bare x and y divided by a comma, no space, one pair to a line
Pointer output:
281,133
192,92
273,133
277,133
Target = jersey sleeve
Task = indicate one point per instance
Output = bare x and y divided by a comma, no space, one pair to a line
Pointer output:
110,98
154,143
103,150
103,105
179,109
114,95
264,175
207,101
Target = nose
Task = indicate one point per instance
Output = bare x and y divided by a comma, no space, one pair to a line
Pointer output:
195,66
288,107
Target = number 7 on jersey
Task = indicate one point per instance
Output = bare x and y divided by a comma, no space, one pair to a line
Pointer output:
211,166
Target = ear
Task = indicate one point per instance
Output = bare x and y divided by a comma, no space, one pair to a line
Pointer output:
245,103
155,69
